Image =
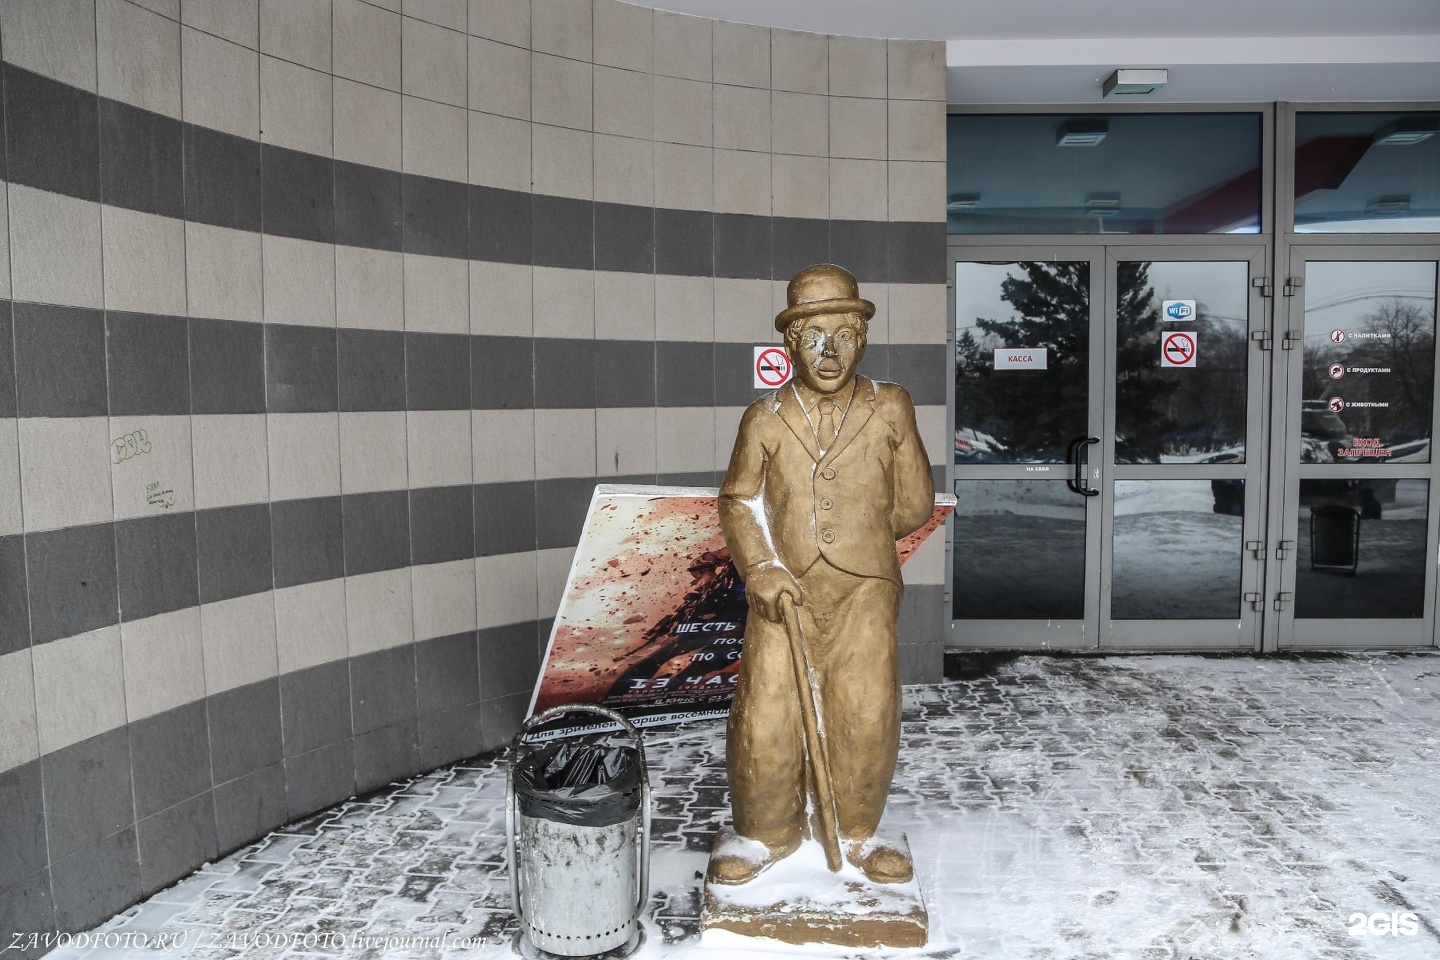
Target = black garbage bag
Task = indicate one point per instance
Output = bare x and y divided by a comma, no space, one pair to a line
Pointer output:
587,783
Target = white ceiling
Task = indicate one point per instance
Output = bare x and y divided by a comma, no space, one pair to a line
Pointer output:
1059,51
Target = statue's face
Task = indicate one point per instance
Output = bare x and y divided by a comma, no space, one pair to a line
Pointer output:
826,350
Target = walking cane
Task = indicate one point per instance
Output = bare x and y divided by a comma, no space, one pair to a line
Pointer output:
814,745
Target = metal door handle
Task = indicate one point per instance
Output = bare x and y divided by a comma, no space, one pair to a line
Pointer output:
1072,456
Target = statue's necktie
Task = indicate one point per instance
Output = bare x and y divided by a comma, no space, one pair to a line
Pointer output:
827,423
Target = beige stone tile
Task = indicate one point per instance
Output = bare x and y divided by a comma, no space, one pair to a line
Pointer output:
367,124
506,589
624,102
684,308
373,451
917,69
56,252
917,130
437,294
561,27
742,118
444,598
439,448
236,20
683,111
164,662
742,311
299,281
564,302
858,190
54,38
624,35
800,123
166,8
684,439
857,67
931,421
918,313
624,170
433,62
799,62
562,162
503,445
500,151
878,329
499,78
624,441
163,479
801,186
239,641
684,177
500,299
682,45
435,140
857,128
144,259
65,472
624,305
927,565
742,54
304,455
552,568
561,92
89,662
917,190
220,84
446,13
139,57
369,288
298,30
223,273
379,611
11,519
742,182
296,108
19,740
727,428
231,460
505,20
367,44
564,443
310,624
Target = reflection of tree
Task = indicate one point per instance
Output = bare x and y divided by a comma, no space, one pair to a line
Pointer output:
1141,422
1397,336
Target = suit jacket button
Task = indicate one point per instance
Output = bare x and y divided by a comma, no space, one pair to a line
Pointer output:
827,535
825,503
828,473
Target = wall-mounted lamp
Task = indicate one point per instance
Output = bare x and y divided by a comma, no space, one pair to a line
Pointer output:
1081,133
1135,82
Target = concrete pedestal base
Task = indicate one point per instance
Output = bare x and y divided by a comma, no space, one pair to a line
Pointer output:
799,900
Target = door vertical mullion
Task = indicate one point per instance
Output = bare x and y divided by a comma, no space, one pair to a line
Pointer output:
1104,304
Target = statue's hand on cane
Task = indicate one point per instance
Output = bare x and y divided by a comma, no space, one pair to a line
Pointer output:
764,586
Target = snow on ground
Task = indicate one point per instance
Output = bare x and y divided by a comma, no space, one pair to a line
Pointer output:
1147,808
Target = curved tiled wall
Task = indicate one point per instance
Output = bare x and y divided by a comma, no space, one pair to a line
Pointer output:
321,318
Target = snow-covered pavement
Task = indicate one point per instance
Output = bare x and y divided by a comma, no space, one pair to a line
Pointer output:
1143,807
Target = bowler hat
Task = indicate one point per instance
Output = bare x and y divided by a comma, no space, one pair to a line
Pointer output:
822,288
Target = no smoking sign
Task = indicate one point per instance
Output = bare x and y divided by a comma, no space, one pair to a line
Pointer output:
1177,349
772,368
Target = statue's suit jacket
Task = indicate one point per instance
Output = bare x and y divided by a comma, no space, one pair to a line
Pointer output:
782,501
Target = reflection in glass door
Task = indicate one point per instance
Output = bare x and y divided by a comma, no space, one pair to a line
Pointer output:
1357,506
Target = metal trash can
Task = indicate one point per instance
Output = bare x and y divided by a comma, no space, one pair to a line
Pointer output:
1334,537
574,812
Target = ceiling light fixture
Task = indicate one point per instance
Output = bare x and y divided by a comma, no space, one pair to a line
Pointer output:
1081,133
1390,205
1135,82
1102,204
963,201
1408,130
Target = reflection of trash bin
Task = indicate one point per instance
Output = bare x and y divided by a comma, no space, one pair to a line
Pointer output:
1334,537
573,813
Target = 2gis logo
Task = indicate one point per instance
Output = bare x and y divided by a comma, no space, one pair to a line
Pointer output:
1392,924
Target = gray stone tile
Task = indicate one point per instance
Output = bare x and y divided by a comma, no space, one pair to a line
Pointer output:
141,160
447,672
7,361
222,179
624,238
442,524
372,369
684,242
368,210
624,373
174,841
382,688
509,660
227,363
155,558
148,364
437,371
234,551
917,253
171,756
308,540
52,135
562,232
320,778
72,581
300,369
500,225
436,217
14,599
22,825
798,243
250,806
385,755
505,518
742,246
97,882
26,907
315,707
244,732
377,531
564,373
59,361
502,373
684,374
298,194
87,792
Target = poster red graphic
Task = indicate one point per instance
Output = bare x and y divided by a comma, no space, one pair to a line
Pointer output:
653,615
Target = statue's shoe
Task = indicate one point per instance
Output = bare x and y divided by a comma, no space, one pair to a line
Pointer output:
738,859
880,861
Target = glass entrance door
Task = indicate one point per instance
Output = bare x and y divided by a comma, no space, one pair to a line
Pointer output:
1107,421
1357,532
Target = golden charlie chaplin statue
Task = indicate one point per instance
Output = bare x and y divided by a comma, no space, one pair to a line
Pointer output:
827,473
